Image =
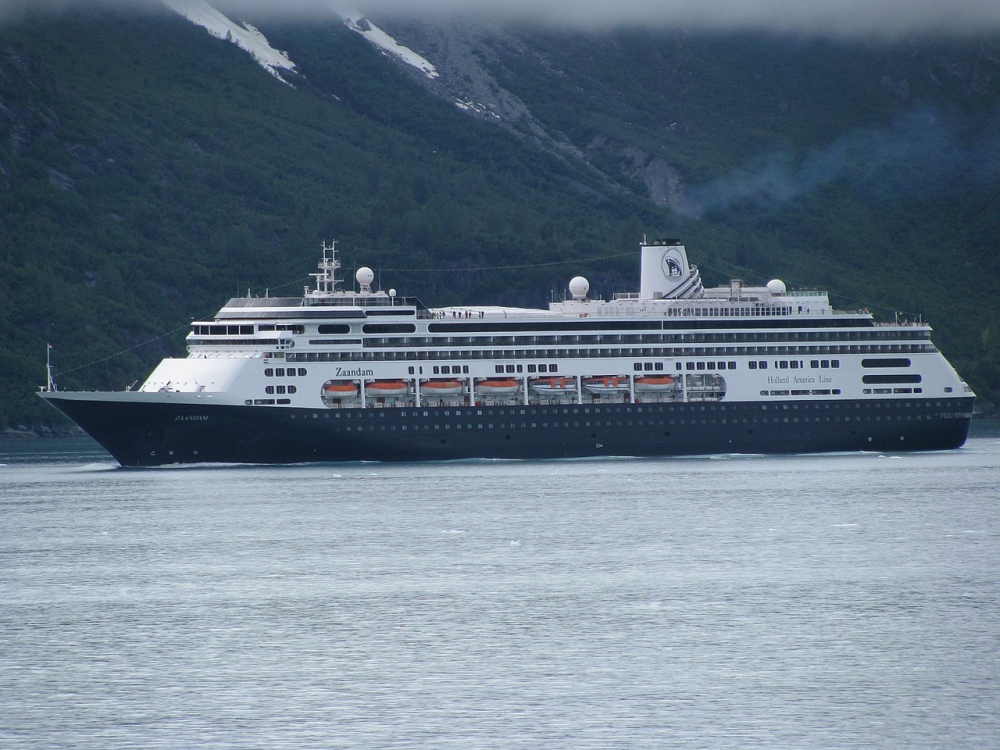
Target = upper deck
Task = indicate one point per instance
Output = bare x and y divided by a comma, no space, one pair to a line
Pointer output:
671,301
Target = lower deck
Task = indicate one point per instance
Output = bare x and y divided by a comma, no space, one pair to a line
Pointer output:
148,434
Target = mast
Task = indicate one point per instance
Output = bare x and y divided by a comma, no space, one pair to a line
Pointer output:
50,384
326,279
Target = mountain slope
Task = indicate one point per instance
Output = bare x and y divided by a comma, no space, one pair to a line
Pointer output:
149,170
149,180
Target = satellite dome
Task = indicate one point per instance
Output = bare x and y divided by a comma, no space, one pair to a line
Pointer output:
365,276
578,287
776,286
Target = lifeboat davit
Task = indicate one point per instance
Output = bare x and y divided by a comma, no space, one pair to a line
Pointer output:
442,387
554,386
654,383
606,384
340,390
386,388
504,387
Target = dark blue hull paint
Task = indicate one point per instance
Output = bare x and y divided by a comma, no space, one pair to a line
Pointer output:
139,434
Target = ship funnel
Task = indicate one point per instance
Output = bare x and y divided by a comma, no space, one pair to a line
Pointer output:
666,273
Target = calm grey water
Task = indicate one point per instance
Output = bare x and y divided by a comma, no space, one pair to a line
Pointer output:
839,601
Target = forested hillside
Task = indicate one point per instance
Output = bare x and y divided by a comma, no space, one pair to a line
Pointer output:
148,171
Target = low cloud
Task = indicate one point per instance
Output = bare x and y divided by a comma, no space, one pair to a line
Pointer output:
847,18
837,18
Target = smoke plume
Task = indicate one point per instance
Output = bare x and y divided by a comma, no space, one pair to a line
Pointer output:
920,155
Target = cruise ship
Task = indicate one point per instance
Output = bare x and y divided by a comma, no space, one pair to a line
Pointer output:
674,369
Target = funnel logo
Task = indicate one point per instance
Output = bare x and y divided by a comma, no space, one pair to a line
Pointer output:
671,266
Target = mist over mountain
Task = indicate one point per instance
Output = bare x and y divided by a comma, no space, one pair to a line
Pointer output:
157,158
880,19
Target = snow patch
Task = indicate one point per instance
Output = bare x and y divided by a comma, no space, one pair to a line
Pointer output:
246,37
357,22
476,108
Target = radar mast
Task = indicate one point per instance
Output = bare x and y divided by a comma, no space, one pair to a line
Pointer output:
326,278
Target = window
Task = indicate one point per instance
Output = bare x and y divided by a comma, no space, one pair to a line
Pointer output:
269,372
389,328
302,372
900,362
879,379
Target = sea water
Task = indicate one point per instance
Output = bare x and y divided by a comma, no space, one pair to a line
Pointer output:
835,601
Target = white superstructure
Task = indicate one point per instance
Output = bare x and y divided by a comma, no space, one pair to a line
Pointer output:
730,343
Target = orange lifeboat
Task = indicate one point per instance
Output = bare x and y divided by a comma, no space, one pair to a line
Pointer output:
604,384
654,383
501,387
334,389
441,388
386,388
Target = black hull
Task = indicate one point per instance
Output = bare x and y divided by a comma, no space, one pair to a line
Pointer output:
153,434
